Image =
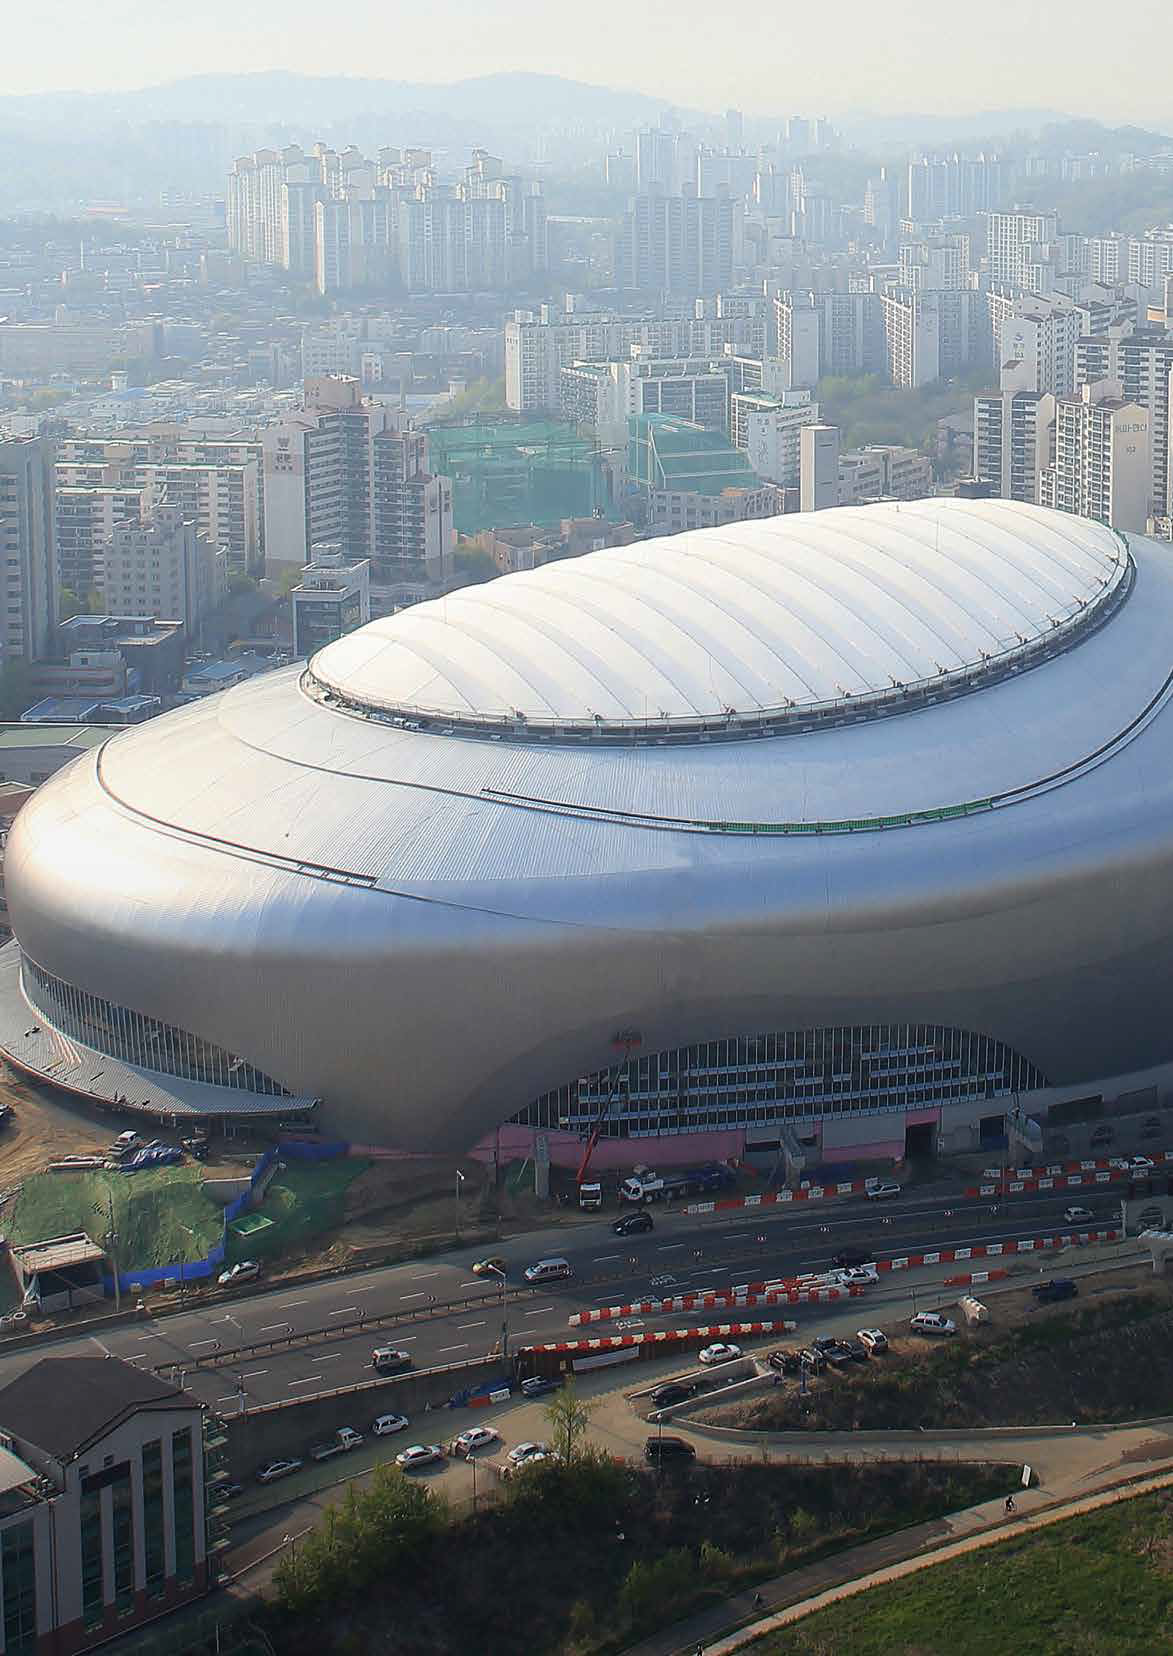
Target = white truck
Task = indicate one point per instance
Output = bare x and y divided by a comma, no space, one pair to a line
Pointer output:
590,1195
344,1439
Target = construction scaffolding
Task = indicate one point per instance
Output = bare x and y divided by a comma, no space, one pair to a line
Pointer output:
507,472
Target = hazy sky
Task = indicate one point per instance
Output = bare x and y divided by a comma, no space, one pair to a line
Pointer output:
1082,56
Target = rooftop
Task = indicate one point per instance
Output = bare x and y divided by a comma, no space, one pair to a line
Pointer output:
770,621
66,734
61,1404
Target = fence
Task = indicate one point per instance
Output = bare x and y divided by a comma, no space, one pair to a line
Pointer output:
201,1270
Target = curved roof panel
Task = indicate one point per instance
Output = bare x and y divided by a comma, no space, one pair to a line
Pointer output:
785,613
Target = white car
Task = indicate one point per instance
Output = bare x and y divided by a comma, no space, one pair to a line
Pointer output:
856,1276
1140,1164
245,1270
1078,1216
272,1470
420,1454
477,1437
931,1322
388,1423
873,1338
719,1353
527,1452
881,1191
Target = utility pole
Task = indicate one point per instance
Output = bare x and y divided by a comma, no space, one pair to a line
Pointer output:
459,1182
504,1315
111,1240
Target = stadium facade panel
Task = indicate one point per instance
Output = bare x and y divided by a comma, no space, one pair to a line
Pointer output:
861,821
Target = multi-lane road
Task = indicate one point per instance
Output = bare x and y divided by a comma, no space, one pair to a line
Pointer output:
316,1336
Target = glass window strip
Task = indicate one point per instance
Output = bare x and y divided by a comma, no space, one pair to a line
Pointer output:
137,1039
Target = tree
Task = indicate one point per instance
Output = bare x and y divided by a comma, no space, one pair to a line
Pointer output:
569,1418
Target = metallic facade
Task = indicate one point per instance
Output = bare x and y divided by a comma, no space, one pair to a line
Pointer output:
431,928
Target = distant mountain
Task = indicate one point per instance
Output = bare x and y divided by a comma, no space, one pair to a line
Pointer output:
277,97
942,131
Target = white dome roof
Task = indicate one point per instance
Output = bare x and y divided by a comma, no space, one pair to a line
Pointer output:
780,615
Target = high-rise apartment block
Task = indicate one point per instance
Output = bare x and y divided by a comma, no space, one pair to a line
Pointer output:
1005,441
773,427
676,244
27,547
1098,456
538,347
356,474
1141,361
956,186
161,566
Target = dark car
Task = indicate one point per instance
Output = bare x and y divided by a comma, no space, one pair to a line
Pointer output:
664,1396
1059,1288
856,1350
632,1222
661,1448
847,1258
785,1362
825,1342
837,1355
537,1386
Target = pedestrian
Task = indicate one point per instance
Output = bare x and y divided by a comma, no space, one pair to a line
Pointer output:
1009,1504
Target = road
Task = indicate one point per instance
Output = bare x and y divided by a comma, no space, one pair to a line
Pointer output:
683,1253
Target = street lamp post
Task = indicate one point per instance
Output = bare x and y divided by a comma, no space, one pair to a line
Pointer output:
459,1182
497,1272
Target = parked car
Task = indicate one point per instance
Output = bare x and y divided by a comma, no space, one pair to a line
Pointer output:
420,1454
526,1452
489,1267
847,1258
663,1448
882,1191
856,1350
343,1441
229,1492
1078,1216
874,1339
1141,1164
784,1362
125,1143
631,1223
836,1354
858,1276
931,1322
385,1425
538,1385
245,1270
812,1359
274,1469
1058,1288
476,1437
674,1392
387,1360
719,1353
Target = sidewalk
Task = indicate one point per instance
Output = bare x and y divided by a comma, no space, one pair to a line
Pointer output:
801,1592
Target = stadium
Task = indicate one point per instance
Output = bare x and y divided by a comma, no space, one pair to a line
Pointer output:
856,825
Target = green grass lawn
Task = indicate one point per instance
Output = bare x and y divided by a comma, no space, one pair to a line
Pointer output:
1101,1585
302,1201
161,1216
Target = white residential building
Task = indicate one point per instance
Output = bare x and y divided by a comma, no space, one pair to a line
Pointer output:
27,547
163,567
1141,360
1097,456
773,428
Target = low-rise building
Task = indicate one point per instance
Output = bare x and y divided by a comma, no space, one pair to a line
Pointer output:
333,597
104,1503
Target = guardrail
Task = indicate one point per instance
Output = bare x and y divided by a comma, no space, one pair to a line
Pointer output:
358,1386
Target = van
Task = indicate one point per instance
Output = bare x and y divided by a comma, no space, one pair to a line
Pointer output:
931,1322
668,1448
548,1270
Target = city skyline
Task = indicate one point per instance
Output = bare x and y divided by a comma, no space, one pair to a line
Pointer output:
1014,61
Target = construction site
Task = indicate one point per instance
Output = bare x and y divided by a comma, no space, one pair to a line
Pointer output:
507,471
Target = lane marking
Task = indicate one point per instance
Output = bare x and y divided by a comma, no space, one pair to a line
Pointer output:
475,1282
424,1275
100,1346
540,1310
406,1339
420,1295
440,1350
335,1357
344,1311
670,1247
251,1374
287,1305
269,1327
471,1325
369,1289
310,1380
603,1259
196,1344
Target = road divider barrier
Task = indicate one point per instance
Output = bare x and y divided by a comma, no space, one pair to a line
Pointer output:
970,1277
755,1294
996,1250
673,1336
